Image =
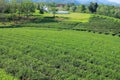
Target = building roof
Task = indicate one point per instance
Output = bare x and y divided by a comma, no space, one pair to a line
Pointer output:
60,5
62,12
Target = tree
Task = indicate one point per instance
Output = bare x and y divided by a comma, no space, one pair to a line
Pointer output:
73,8
67,7
7,8
83,8
19,7
117,13
93,7
2,10
113,11
40,8
28,8
2,6
53,9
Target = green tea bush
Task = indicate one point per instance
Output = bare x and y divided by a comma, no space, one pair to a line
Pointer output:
50,54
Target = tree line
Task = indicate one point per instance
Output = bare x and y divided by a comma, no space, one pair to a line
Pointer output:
107,10
26,8
10,9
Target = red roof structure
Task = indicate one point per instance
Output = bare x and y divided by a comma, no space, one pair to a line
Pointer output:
60,5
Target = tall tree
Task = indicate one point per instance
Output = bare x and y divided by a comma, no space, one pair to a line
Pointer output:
40,8
93,7
73,8
2,6
53,9
83,8
28,8
2,10
67,7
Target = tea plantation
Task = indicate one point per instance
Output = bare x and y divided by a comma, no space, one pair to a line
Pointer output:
57,54
76,21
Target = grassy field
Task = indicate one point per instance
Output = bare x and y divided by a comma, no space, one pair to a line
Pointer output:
74,21
93,23
67,47
54,54
73,17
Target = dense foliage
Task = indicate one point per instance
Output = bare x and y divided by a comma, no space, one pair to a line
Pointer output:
93,7
113,11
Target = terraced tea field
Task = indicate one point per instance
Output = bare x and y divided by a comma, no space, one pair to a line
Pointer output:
73,17
42,54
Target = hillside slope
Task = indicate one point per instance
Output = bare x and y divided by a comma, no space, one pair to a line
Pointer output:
77,21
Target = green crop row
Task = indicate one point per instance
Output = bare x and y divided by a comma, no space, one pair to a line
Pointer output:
38,54
96,24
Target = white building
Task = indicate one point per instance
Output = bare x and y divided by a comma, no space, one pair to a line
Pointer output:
62,12
45,8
